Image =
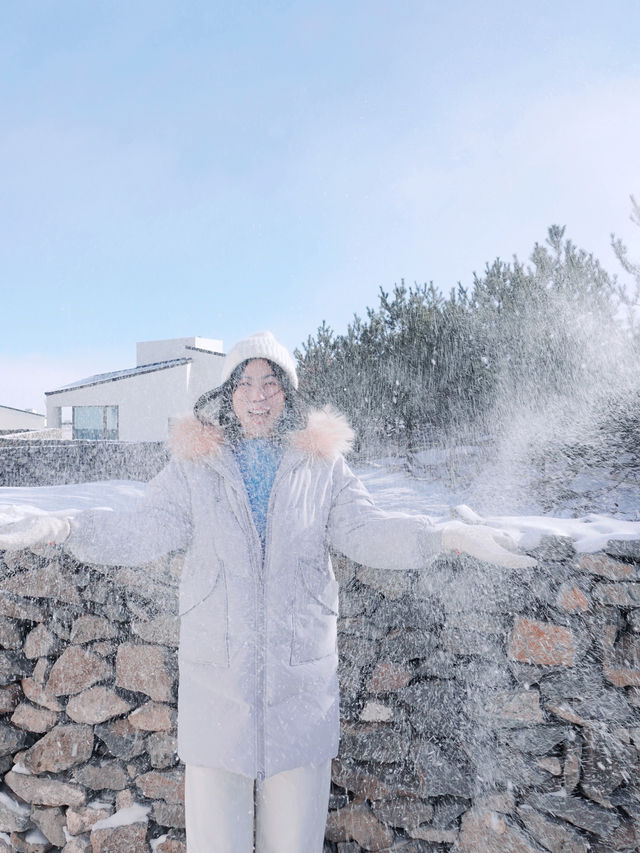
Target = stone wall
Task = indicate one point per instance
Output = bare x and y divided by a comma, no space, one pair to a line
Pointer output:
484,710
25,462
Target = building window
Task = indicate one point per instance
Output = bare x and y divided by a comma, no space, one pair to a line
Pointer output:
95,422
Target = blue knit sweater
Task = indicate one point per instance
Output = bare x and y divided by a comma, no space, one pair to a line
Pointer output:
258,460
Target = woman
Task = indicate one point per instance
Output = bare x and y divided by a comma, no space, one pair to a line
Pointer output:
256,493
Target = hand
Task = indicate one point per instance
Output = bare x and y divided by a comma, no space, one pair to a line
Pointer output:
34,532
490,546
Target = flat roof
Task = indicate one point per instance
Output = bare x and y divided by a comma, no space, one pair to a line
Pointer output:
22,411
116,375
208,351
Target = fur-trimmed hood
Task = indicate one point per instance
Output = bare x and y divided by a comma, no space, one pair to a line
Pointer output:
325,436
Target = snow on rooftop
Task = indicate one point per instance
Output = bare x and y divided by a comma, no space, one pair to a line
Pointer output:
121,374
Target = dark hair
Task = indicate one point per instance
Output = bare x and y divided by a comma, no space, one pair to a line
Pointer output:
216,406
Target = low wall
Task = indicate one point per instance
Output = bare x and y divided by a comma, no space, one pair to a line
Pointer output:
24,462
484,710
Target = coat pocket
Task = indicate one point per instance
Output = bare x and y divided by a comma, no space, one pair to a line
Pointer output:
204,620
315,613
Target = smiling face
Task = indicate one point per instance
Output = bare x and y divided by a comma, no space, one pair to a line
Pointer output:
258,399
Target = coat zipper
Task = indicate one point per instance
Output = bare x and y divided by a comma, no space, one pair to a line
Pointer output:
262,646
261,616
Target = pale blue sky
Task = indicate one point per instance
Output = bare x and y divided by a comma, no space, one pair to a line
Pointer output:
206,168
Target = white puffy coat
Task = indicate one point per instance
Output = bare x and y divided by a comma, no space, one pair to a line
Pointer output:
258,691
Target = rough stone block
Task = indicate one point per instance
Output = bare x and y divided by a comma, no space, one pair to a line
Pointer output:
169,815
105,776
516,707
543,643
358,823
61,748
170,845
44,582
76,670
443,772
167,785
11,739
10,634
153,717
141,582
39,643
87,628
405,613
618,594
572,598
51,823
435,835
625,549
537,740
34,691
131,838
144,669
121,739
388,676
162,750
581,813
80,844
32,719
403,812
607,763
41,671
16,609
381,744
13,667
447,810
551,834
462,643
621,664
392,585
10,696
31,842
15,816
484,831
554,549
96,705
437,706
383,782
81,819
606,567
551,764
45,792
402,646
164,630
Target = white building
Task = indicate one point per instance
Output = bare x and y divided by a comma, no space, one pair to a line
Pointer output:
19,420
138,404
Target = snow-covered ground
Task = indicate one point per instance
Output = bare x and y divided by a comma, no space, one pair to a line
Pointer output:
392,488
395,489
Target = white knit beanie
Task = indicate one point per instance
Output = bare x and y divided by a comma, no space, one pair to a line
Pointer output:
260,345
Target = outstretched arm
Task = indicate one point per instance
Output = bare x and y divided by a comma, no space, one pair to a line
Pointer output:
393,540
159,524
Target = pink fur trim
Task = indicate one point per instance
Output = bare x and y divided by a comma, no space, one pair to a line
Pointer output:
190,439
326,435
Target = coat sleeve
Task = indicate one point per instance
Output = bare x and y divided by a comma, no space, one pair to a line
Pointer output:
159,524
384,540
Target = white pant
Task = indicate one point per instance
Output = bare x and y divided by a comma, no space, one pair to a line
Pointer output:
290,810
